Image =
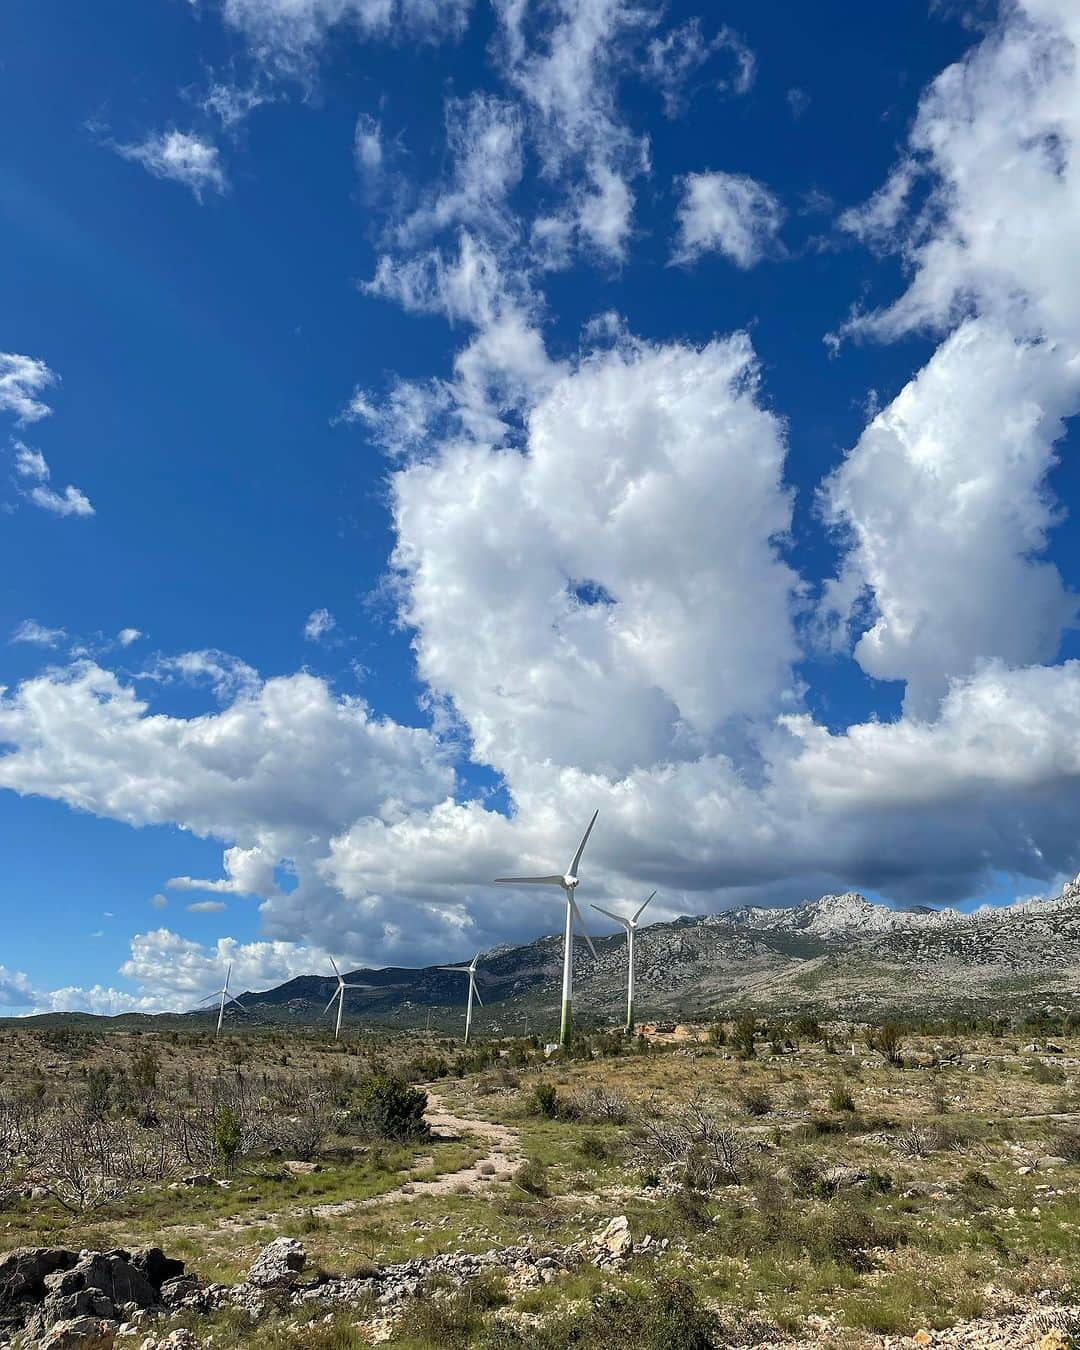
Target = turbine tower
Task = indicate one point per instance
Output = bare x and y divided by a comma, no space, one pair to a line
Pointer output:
225,996
569,882
631,927
469,970
339,997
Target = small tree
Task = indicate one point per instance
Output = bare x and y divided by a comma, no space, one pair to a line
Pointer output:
745,1031
886,1041
227,1136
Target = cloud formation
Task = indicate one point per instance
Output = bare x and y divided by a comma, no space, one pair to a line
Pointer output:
180,157
727,213
944,501
22,380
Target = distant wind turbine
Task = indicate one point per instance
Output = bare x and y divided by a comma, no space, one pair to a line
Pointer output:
225,996
631,928
569,882
339,997
469,970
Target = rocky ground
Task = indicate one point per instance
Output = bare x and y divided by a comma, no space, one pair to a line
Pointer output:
54,1299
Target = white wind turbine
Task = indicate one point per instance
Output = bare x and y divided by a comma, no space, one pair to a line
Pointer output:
225,996
631,928
469,970
339,997
568,881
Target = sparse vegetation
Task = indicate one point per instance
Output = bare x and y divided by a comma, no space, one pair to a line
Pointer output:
879,1194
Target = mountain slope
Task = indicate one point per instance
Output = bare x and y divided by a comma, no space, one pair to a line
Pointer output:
839,955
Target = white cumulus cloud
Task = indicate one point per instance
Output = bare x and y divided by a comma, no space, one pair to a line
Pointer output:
22,380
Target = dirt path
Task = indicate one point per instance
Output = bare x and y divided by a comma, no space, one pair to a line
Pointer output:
498,1164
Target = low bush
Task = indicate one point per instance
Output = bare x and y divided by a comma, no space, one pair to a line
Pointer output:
755,1101
666,1317
840,1098
385,1107
544,1101
531,1177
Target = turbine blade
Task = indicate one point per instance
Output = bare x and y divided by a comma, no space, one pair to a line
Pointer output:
476,992
641,911
237,1002
336,971
617,917
581,846
209,998
333,1000
528,881
584,930
461,970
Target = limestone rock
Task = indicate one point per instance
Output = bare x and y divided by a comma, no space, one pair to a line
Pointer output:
615,1240
278,1265
79,1331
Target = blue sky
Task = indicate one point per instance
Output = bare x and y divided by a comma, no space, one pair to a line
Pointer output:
476,414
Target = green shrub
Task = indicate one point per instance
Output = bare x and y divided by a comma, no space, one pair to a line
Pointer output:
667,1317
385,1107
227,1136
545,1101
531,1177
743,1037
887,1042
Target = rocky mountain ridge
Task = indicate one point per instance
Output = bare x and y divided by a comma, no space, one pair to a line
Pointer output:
839,955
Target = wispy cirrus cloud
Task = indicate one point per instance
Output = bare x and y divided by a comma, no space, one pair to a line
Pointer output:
180,157
37,634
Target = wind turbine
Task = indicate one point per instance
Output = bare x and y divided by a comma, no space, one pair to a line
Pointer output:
225,996
631,927
568,881
469,970
339,997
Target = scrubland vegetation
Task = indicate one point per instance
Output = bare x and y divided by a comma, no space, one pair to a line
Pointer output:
831,1185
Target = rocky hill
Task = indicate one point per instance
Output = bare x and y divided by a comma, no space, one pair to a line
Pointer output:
839,955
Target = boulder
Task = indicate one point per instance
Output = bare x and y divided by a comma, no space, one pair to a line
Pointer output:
63,1308
177,1293
278,1265
839,1177
152,1263
300,1169
113,1273
615,1240
23,1272
79,1331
